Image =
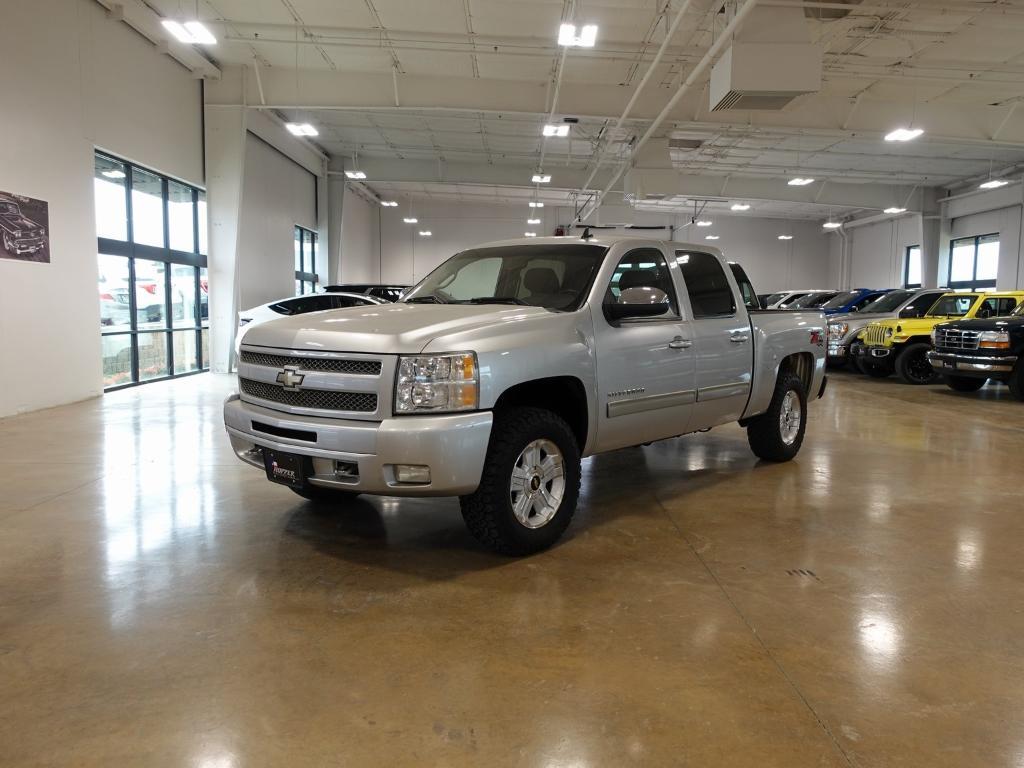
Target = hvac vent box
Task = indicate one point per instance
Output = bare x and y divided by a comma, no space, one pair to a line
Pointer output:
764,75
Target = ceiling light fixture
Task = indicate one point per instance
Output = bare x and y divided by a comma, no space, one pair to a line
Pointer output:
190,33
585,39
541,178
993,184
800,182
536,204
301,129
711,237
355,174
530,234
425,233
411,220
704,223
895,209
904,134
114,174
533,221
556,130
832,224
389,203
740,207
785,237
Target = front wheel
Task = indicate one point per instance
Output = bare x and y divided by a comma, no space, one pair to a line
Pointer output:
964,383
1016,381
778,433
913,365
529,486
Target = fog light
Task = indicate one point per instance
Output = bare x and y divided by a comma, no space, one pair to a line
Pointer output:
412,473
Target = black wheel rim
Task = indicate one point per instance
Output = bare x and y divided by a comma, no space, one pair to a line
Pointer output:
919,369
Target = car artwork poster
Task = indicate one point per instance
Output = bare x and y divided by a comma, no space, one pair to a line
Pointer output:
24,228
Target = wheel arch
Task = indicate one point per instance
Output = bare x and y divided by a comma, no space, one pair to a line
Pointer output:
563,395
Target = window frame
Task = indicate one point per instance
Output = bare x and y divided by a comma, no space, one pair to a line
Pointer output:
974,284
906,266
307,238
132,251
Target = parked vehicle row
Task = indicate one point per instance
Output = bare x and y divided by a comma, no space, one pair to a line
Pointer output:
831,302
962,338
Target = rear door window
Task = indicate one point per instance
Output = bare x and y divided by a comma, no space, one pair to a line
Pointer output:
706,284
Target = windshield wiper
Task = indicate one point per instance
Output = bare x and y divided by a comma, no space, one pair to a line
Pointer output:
495,300
429,298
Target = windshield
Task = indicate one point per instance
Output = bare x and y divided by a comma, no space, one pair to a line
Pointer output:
1018,311
554,276
953,306
890,302
9,208
812,300
841,300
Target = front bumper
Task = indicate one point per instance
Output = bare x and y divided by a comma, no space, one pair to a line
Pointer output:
951,362
28,244
871,353
453,446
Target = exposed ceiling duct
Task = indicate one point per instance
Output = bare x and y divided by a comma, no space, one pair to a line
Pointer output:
829,14
771,62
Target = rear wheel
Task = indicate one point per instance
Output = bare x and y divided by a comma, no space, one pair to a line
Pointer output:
778,433
964,383
913,366
529,486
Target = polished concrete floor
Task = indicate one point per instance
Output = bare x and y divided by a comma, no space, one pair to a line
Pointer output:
161,604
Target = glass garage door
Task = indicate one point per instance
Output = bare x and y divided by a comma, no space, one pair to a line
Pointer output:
152,284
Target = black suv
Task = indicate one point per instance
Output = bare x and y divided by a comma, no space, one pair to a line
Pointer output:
969,352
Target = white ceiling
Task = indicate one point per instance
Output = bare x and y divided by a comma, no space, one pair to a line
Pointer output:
955,67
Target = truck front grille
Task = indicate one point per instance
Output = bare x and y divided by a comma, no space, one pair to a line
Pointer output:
954,338
322,399
875,335
327,364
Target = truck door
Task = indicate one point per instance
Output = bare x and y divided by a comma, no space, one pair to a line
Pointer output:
721,339
645,365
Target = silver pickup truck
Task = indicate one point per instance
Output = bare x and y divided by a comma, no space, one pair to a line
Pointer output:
508,363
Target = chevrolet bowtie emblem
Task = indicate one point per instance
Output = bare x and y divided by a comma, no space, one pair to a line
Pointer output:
290,378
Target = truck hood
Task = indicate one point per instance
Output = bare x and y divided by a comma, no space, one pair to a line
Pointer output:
19,222
988,324
387,329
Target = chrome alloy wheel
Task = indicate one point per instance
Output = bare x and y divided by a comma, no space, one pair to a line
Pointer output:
790,417
537,484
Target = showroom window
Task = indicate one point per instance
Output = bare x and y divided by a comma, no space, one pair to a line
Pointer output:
912,267
974,263
151,255
305,261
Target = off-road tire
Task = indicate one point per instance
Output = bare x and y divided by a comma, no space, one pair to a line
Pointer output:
964,383
764,432
909,367
322,494
1016,381
488,510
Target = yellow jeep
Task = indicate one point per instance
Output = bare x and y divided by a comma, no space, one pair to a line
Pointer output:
902,345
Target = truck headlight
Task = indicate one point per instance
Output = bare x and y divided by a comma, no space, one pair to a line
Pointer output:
437,383
837,330
994,340
889,333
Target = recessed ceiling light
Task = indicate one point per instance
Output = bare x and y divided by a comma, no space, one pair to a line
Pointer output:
355,174
556,130
704,223
711,237
533,221
993,184
740,207
894,209
190,33
389,203
425,233
114,174
541,178
785,237
530,234
411,220
832,224
536,204
800,182
585,39
904,134
301,129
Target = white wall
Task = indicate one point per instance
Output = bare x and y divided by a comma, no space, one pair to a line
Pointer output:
360,260
878,251
772,264
277,195
80,81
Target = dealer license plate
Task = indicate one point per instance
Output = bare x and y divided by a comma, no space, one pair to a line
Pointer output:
285,468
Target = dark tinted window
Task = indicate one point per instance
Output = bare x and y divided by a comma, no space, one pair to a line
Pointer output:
643,268
302,305
919,307
868,299
339,302
746,288
997,307
707,285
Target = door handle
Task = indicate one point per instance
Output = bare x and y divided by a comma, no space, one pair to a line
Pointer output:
680,343
739,338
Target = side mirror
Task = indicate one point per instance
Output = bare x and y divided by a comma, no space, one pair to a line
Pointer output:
637,302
